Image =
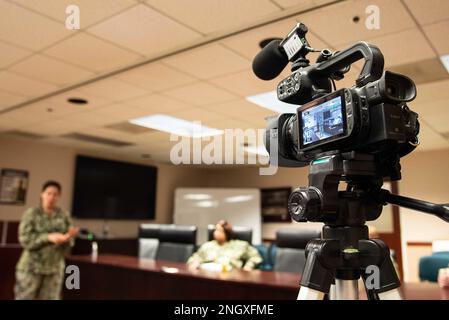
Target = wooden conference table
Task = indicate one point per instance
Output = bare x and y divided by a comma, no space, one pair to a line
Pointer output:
126,277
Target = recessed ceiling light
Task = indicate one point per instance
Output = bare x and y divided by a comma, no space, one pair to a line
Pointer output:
269,100
77,100
445,60
176,126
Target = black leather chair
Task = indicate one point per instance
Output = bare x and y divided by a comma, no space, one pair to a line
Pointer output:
166,242
240,233
148,240
290,249
176,243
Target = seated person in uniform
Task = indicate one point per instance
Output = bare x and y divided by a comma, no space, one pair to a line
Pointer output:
226,251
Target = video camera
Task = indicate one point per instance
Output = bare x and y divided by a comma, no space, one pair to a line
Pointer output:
353,135
370,117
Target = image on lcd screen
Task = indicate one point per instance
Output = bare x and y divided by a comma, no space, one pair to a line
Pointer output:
322,121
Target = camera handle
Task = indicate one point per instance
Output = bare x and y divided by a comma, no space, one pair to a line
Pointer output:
372,69
441,211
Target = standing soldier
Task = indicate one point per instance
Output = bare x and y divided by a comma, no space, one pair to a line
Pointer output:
46,234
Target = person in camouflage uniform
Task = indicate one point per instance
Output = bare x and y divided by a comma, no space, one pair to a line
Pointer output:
226,251
46,234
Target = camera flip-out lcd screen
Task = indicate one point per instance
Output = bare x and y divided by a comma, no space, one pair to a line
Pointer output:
322,121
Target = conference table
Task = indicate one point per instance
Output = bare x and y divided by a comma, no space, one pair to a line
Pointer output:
126,277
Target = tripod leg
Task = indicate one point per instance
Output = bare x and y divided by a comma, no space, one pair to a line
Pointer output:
347,289
333,292
385,283
317,277
394,294
310,294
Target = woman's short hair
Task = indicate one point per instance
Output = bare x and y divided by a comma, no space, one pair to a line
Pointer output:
51,183
227,228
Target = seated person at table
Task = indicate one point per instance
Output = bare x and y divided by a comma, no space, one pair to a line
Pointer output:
226,251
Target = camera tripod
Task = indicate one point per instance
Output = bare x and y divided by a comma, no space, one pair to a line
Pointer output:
345,253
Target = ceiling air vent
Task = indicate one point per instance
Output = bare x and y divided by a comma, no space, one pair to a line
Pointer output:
24,134
98,140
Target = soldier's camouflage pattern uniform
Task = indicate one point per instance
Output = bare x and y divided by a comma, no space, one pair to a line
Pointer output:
40,270
233,253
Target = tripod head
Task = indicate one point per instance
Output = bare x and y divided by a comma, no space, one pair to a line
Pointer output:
362,201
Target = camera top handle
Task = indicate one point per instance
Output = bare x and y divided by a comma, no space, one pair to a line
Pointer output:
372,69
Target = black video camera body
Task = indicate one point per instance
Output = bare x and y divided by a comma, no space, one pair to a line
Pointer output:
371,117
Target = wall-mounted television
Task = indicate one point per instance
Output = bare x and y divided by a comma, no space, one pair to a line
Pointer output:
107,190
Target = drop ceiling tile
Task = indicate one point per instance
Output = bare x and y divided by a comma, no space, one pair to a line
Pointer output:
89,118
334,23
107,133
50,70
91,11
429,92
114,89
28,29
8,99
11,119
92,53
156,103
199,94
429,11
155,77
147,31
438,122
438,34
231,123
434,107
209,16
10,54
45,110
237,109
208,61
151,138
414,47
48,129
300,4
244,83
247,43
20,85
197,114
120,112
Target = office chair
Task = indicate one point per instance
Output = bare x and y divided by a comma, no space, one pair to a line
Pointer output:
240,233
148,240
289,250
176,243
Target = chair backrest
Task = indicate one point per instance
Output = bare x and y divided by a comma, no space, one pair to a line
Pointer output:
176,243
240,233
290,249
166,242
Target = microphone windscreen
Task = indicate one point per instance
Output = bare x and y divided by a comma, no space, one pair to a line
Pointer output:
270,61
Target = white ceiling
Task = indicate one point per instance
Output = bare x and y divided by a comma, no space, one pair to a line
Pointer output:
209,83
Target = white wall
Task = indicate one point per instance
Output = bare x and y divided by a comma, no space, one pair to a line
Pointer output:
425,175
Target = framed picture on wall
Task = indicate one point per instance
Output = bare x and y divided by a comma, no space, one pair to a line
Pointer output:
13,186
274,204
